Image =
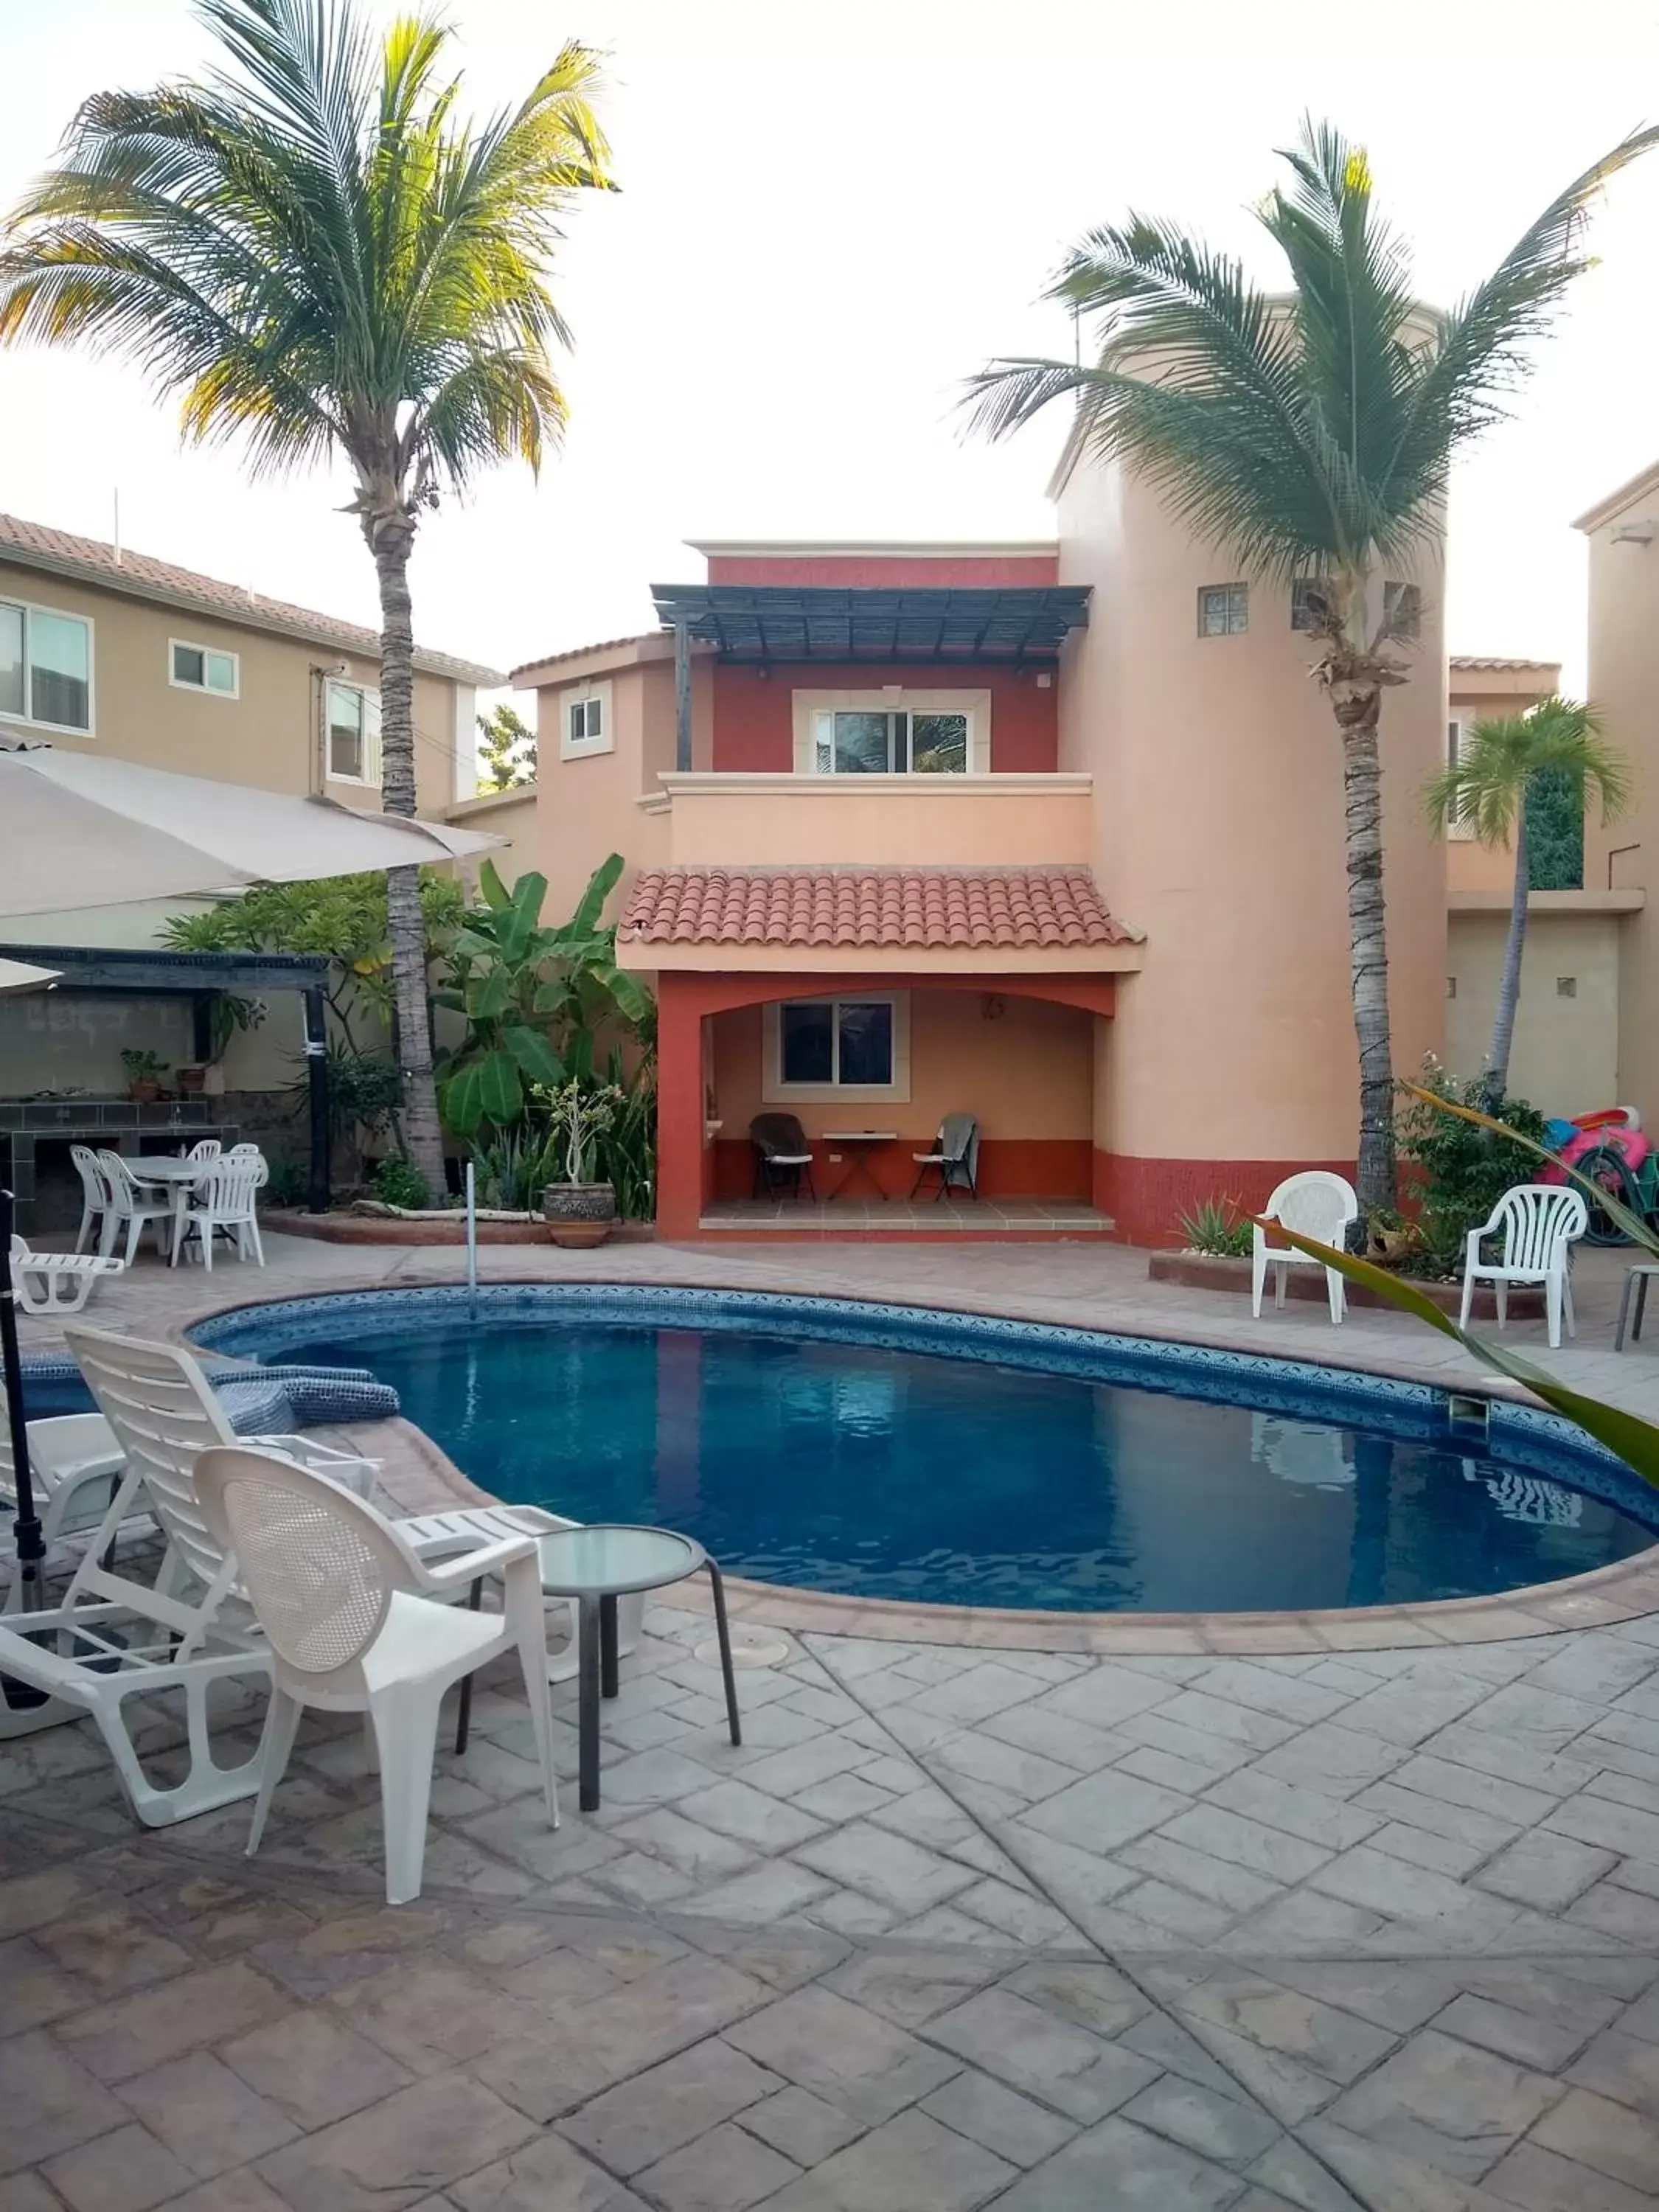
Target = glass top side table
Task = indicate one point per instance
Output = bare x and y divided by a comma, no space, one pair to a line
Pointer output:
597,1564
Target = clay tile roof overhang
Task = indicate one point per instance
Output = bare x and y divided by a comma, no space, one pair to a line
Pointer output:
957,908
1464,664
945,623
141,576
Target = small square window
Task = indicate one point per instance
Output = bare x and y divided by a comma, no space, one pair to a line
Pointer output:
1306,601
1223,610
195,668
1402,610
1566,987
586,721
1451,987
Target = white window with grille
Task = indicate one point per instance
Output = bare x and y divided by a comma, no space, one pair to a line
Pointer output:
1223,610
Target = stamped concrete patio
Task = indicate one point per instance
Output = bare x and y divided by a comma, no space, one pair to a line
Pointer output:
953,1927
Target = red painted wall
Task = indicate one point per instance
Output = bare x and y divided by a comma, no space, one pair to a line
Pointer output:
837,571
754,720
1146,1198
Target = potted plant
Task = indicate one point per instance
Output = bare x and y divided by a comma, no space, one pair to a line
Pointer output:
579,1210
144,1070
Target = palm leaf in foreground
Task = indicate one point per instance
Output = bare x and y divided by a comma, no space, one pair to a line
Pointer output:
1626,1435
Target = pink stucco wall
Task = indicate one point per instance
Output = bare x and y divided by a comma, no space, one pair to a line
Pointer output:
1218,831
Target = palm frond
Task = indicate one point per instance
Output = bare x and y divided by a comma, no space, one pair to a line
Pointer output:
310,248
1487,785
1308,434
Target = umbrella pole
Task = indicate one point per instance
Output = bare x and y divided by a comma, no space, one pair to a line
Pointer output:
26,1530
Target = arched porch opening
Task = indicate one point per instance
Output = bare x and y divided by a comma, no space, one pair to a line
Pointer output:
1018,1050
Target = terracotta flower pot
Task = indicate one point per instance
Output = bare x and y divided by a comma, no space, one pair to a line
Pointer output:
192,1081
143,1094
579,1214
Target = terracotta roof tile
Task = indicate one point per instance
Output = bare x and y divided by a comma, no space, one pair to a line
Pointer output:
59,552
939,908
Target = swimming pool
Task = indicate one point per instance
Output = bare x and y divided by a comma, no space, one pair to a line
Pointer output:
893,1453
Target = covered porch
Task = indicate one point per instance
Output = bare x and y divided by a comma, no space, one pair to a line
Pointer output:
1017,1052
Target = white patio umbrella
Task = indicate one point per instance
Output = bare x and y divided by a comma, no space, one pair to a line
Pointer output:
78,830
19,976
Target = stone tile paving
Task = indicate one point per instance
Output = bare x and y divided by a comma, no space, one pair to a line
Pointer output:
953,1928
1037,1931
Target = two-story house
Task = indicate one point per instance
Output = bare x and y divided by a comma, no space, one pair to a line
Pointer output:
1050,834
116,654
106,650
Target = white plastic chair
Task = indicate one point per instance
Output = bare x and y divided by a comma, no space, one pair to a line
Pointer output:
357,1624
225,1198
131,1204
1538,1222
245,1152
1315,1203
94,1192
204,1148
57,1282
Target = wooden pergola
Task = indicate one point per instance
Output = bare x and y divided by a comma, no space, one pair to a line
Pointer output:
997,625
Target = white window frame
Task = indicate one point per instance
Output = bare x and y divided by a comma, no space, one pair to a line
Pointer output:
598,693
892,699
370,781
1217,590
27,721
775,1092
1461,831
1392,591
205,689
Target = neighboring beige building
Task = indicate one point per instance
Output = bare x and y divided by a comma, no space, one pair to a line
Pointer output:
1565,1054
106,650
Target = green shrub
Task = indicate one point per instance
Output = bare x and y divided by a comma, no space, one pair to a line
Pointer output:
1463,1171
398,1182
1216,1226
287,1183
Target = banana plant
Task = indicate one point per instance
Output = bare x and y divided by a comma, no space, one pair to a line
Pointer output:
533,997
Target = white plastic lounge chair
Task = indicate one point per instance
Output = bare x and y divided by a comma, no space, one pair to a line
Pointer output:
57,1282
109,1638
77,1466
358,1624
225,1199
954,1159
1538,1222
1315,1203
94,1194
132,1207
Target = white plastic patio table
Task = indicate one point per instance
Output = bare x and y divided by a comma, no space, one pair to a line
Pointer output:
596,1564
181,1174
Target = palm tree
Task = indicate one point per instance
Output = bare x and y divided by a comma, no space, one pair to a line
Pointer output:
320,257
1488,785
1311,436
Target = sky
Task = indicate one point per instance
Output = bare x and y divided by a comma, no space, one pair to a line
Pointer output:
830,216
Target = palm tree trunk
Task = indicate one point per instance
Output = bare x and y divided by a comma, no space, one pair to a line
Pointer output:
1509,983
1358,702
390,537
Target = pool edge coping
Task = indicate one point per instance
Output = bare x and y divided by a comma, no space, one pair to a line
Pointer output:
1603,1596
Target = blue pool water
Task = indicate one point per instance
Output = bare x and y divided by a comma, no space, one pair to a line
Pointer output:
800,1451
